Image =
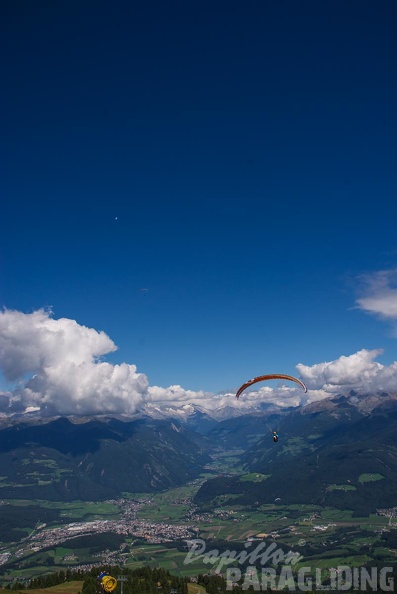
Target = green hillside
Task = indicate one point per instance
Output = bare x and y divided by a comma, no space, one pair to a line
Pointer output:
338,457
64,461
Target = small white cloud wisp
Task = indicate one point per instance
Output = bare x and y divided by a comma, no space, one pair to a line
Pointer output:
57,369
379,295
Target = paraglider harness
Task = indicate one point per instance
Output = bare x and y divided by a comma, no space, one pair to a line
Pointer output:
106,583
275,436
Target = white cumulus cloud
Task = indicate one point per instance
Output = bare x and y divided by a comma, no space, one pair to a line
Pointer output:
58,369
359,372
64,356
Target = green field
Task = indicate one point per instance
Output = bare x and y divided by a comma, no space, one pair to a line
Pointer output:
169,505
341,488
368,478
67,588
83,509
337,515
157,556
254,477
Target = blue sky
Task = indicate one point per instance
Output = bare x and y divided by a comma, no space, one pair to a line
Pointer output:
249,154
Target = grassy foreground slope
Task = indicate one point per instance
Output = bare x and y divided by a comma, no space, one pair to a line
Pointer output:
67,588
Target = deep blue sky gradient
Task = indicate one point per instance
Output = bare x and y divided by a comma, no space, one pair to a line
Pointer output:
248,151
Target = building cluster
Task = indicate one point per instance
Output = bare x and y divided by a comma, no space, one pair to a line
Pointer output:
128,525
390,512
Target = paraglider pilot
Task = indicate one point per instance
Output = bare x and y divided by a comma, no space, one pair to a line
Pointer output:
275,436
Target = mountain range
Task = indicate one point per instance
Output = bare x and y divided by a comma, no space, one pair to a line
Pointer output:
340,451
64,460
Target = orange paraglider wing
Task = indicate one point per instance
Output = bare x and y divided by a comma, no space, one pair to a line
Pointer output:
261,378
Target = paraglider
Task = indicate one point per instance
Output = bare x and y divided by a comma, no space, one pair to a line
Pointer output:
261,378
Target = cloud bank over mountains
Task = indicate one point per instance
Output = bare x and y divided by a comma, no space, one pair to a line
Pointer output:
56,366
